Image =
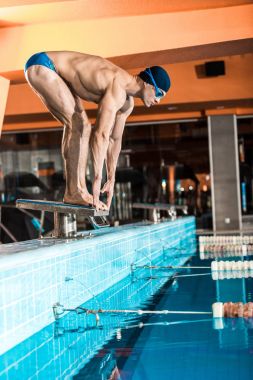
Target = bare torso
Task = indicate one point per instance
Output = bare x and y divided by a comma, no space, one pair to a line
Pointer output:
87,75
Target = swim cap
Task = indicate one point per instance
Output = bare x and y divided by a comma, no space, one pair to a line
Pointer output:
160,76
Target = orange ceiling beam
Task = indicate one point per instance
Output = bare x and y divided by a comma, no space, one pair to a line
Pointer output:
39,11
52,124
186,87
126,35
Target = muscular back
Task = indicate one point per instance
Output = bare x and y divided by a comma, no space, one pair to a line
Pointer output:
88,76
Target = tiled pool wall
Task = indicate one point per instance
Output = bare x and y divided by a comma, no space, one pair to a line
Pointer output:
31,281
61,349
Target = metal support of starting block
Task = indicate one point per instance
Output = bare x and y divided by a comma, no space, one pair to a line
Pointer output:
154,210
65,215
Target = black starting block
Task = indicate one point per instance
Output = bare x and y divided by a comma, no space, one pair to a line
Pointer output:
65,215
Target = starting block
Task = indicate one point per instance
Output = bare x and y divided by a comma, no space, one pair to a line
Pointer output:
65,215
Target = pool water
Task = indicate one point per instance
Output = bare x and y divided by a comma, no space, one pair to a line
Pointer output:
144,347
179,346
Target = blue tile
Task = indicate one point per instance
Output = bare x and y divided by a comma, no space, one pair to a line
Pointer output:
98,263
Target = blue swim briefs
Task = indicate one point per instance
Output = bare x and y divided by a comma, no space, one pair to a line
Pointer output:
41,59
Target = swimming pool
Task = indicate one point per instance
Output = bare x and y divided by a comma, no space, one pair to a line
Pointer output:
175,347
138,345
144,346
37,274
60,349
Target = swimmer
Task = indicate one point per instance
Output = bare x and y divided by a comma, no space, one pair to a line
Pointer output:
61,79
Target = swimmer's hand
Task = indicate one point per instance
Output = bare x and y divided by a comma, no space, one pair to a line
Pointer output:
108,189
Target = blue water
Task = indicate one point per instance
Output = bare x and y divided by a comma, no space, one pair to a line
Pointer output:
190,348
144,347
182,347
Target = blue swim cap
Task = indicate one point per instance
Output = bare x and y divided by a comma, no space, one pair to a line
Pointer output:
160,76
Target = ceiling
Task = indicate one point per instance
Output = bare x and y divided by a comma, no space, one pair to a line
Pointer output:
179,35
38,11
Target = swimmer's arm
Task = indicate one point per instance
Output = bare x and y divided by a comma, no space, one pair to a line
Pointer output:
114,148
107,110
115,139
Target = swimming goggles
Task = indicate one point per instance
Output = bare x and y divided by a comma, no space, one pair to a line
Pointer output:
158,92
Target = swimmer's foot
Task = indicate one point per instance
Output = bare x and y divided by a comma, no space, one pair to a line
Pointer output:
85,199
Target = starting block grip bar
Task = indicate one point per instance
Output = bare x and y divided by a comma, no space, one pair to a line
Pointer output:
60,207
